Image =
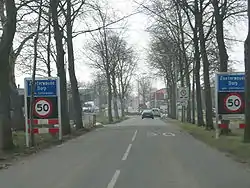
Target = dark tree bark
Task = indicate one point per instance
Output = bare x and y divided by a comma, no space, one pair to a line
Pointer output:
9,30
193,97
71,62
200,119
58,35
208,102
247,81
49,45
220,37
222,49
197,59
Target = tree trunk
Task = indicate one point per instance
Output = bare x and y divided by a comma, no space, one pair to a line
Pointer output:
220,37
247,81
58,35
173,101
222,49
122,107
5,48
48,45
193,97
116,113
110,116
77,108
200,120
184,63
208,101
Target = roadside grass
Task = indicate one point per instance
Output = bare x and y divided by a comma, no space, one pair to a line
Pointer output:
232,144
103,119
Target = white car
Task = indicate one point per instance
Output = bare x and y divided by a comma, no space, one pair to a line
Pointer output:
156,112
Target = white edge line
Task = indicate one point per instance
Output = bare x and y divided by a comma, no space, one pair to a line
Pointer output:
125,156
114,179
134,136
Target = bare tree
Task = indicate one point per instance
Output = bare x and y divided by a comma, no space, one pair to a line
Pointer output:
58,35
70,18
247,87
9,29
125,70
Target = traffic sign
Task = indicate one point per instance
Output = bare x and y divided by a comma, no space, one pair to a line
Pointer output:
233,102
230,96
43,87
43,107
234,82
46,105
183,94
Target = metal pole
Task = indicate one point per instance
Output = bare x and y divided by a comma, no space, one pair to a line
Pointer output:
155,99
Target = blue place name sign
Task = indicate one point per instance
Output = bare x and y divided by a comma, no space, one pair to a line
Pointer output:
231,82
42,88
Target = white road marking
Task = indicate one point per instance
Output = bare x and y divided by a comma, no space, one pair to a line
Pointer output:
125,156
168,134
134,136
151,134
114,179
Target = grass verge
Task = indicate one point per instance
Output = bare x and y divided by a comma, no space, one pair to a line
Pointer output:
103,119
232,145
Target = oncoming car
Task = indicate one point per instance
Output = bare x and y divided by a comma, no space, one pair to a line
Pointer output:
156,112
147,114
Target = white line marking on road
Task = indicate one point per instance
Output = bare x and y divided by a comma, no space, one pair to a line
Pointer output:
114,179
168,134
134,136
125,156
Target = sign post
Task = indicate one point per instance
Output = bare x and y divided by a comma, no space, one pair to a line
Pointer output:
47,106
229,95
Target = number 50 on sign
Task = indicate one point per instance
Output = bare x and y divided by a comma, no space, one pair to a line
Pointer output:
43,107
233,102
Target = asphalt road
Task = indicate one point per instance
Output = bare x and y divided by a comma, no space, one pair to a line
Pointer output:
133,154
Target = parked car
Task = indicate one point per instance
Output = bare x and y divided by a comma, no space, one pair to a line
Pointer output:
147,114
156,112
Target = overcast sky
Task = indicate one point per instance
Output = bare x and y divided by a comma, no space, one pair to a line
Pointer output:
139,38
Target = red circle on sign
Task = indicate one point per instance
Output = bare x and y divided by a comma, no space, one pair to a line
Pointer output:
42,107
233,102
183,92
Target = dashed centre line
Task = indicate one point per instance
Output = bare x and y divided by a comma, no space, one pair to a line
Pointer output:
134,136
114,179
125,156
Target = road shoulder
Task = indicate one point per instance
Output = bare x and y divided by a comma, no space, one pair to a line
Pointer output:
232,145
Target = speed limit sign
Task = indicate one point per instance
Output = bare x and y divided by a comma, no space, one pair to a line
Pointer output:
42,107
233,102
183,94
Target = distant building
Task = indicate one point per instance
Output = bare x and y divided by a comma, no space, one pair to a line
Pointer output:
157,98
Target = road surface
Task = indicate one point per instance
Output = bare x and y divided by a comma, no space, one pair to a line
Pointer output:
133,154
